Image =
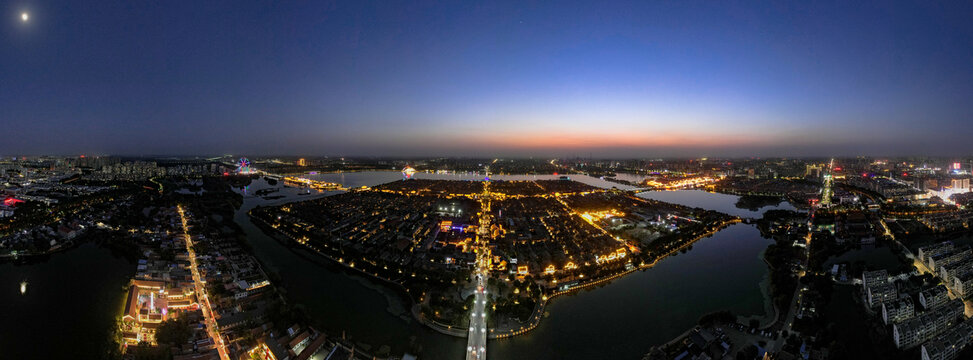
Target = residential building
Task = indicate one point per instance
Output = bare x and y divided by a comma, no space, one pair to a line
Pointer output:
898,311
933,297
948,272
880,293
871,278
963,284
928,251
948,345
950,257
914,331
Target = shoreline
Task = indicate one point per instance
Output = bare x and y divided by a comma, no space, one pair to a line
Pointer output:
71,244
412,306
768,305
535,317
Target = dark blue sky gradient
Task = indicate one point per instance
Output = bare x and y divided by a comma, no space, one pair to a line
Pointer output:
485,78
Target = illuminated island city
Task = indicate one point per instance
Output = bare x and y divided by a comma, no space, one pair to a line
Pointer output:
362,180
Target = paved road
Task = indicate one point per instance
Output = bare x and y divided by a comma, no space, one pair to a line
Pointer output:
211,325
476,341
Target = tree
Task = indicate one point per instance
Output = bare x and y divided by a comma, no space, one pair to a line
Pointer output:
748,352
174,332
144,351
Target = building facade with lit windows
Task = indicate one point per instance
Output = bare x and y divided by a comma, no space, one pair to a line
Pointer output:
880,293
898,311
933,297
963,284
872,278
914,331
948,258
948,345
928,251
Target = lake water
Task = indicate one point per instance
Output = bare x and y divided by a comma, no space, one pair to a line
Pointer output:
724,203
621,320
70,306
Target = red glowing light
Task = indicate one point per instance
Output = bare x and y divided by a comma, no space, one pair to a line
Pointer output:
837,169
226,174
9,201
555,174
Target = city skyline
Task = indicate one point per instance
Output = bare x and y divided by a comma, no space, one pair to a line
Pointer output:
486,180
626,80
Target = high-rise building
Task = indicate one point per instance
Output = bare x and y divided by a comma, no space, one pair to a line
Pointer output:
961,184
813,171
301,162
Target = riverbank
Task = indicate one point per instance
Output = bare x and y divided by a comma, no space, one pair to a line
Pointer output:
535,317
414,307
766,322
726,203
14,255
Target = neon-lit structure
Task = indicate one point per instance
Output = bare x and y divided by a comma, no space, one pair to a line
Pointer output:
11,201
243,166
408,172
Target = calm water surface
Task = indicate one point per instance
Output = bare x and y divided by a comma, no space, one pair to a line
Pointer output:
724,203
70,306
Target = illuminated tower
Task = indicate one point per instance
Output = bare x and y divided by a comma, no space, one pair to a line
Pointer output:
827,191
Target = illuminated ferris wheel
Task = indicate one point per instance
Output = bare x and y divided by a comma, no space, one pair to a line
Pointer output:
243,166
408,172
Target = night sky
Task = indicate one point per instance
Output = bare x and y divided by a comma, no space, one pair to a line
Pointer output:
486,78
